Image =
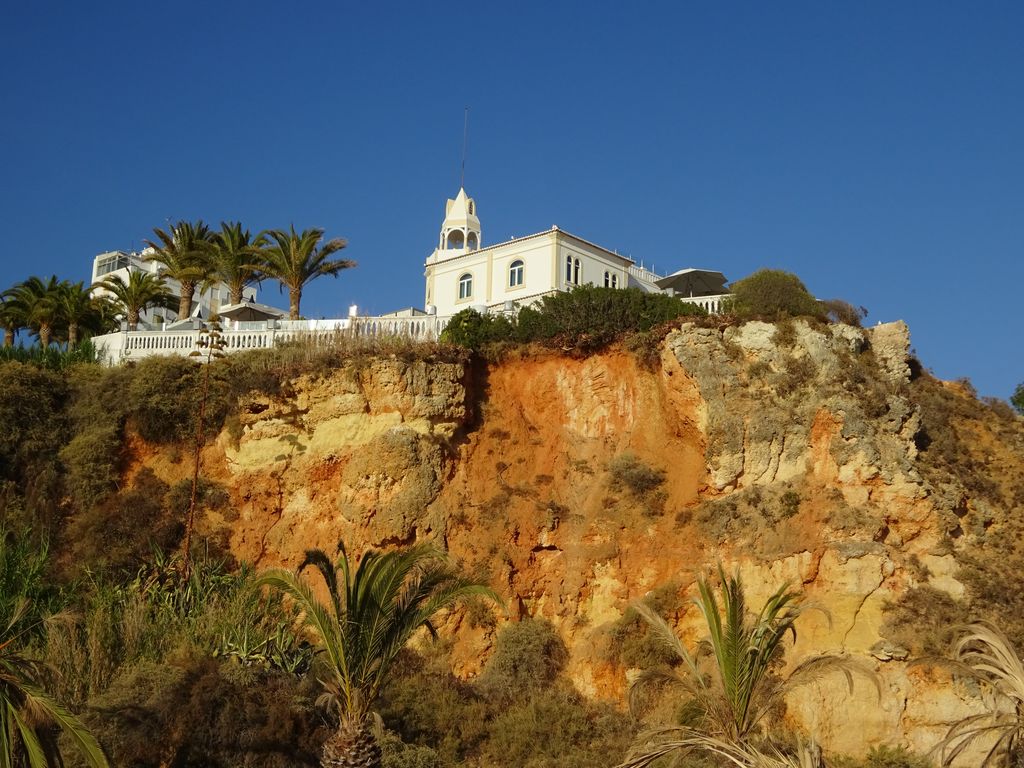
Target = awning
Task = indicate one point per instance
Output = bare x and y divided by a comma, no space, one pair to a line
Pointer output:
249,311
694,282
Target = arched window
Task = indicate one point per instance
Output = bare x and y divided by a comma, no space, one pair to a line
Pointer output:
471,241
576,271
466,286
615,281
456,239
607,279
515,273
568,269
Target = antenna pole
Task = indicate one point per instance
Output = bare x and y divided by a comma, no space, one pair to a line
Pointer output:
465,139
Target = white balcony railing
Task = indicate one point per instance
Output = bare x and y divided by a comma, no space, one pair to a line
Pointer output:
239,336
712,304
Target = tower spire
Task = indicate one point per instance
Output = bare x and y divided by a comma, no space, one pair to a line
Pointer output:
465,141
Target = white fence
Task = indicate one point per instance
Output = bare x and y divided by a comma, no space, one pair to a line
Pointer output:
712,304
240,336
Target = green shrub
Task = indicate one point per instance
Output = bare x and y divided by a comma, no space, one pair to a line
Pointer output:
633,644
1017,399
590,317
427,705
90,461
585,318
789,504
473,330
629,472
773,294
121,531
33,419
528,656
398,754
52,358
162,396
557,729
205,715
534,325
645,347
886,757
924,621
839,311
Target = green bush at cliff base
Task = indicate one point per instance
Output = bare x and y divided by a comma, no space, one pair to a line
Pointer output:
773,294
885,757
585,318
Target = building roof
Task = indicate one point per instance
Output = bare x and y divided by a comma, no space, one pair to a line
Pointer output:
250,311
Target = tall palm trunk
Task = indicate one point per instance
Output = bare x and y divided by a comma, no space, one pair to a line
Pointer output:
294,297
8,337
45,331
133,319
353,745
188,287
72,335
236,294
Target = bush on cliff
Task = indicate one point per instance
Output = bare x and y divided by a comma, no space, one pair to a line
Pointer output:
773,294
585,318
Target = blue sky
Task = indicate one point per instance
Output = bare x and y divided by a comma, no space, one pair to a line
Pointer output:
874,148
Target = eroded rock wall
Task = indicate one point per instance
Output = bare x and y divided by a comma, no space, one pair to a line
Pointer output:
576,486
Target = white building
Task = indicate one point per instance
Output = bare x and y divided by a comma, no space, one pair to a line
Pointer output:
121,263
462,274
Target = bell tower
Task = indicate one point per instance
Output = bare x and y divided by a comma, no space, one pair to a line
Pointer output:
460,235
460,232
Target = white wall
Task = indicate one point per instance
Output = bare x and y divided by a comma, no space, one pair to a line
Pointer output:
544,259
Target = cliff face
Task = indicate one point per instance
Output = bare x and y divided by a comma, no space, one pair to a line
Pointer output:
577,486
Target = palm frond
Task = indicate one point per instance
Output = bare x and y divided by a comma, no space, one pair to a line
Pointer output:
377,606
667,637
315,613
816,668
319,560
660,742
983,653
86,743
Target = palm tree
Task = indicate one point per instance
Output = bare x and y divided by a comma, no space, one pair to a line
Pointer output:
295,259
184,252
12,318
369,616
78,310
28,714
740,689
986,656
139,293
37,302
236,258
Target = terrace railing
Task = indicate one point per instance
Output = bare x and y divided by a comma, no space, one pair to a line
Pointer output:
240,336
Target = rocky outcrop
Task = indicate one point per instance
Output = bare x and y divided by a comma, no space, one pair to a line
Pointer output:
789,451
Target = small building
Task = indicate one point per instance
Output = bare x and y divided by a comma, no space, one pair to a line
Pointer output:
462,273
